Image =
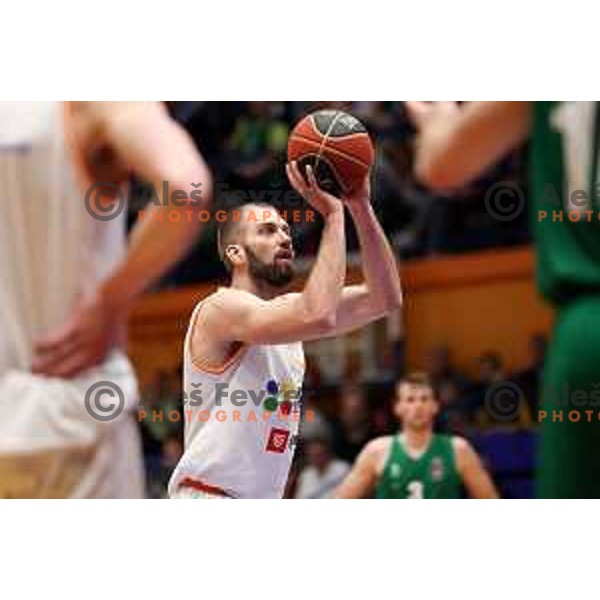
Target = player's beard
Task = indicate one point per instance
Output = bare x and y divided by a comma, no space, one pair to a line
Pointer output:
276,275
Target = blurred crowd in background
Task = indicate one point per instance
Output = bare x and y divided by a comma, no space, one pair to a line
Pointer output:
245,145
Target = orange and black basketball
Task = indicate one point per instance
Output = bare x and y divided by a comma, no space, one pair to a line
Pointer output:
336,145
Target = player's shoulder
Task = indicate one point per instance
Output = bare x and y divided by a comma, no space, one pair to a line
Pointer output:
227,306
460,445
235,299
206,309
227,297
378,446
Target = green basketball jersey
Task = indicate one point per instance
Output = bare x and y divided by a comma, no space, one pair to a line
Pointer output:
432,475
564,159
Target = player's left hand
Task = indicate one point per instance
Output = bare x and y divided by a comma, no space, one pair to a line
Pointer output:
83,341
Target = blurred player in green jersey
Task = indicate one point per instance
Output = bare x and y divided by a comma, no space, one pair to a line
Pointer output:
417,463
455,144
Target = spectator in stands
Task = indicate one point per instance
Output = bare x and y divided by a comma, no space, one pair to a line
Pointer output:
528,378
442,370
322,473
491,368
317,426
258,140
159,399
454,414
172,449
491,371
353,427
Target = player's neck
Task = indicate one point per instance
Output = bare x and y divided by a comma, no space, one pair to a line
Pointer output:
417,439
242,281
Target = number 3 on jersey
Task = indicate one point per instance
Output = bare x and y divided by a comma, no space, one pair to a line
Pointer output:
415,490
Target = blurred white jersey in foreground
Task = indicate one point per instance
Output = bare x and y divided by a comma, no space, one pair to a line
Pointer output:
51,252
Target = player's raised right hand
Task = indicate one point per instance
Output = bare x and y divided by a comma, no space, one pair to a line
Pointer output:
320,200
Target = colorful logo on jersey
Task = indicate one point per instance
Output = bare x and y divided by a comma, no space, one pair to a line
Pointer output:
437,469
283,397
277,440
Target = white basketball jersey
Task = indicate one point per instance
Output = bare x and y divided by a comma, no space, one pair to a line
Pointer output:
51,252
241,419
51,249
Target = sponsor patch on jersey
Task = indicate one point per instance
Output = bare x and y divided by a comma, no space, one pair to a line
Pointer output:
277,440
437,469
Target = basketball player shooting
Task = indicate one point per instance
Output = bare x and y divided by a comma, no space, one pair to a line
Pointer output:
248,337
417,463
68,280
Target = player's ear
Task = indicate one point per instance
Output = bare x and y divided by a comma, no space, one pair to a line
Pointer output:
396,407
234,254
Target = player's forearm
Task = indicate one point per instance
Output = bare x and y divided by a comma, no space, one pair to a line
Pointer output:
162,236
380,267
156,244
343,493
358,484
323,290
452,150
158,150
476,479
481,487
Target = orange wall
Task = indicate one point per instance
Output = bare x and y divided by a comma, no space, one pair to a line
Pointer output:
472,303
157,328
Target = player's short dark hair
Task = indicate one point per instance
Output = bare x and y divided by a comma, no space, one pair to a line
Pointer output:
228,230
419,379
